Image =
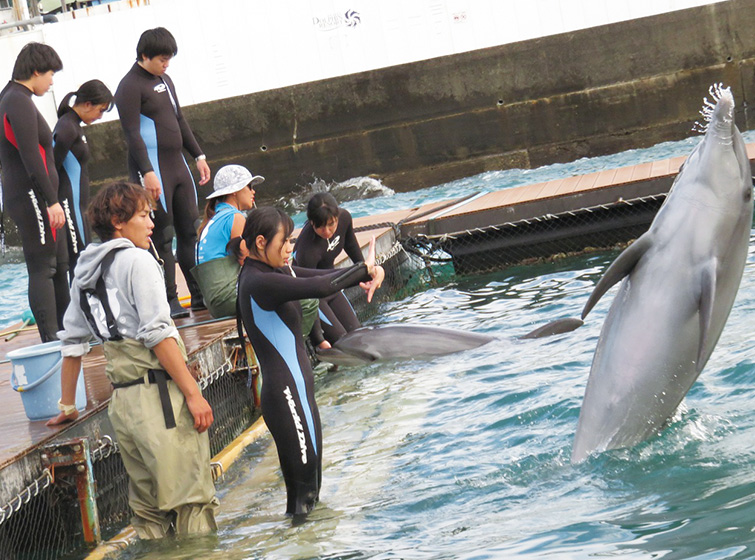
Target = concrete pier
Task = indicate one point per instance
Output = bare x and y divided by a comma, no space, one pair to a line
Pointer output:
554,99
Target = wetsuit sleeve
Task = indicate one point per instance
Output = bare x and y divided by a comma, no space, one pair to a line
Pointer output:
22,115
147,292
351,245
276,289
75,336
308,255
128,100
64,137
316,335
189,142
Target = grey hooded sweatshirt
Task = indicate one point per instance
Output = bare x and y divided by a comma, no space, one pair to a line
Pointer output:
136,293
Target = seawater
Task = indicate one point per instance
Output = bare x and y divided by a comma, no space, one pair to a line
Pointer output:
467,456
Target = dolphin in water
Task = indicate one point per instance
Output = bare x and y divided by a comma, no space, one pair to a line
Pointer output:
678,284
401,342
395,342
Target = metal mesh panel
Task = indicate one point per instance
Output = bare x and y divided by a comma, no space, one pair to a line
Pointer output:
42,522
112,488
232,403
494,247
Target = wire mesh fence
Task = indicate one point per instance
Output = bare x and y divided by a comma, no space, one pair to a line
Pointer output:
112,487
494,247
41,522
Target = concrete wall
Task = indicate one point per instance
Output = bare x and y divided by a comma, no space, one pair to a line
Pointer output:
552,99
236,47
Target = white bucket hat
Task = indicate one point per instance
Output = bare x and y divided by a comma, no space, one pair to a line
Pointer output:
232,178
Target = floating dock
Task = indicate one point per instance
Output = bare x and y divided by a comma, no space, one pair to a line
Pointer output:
40,515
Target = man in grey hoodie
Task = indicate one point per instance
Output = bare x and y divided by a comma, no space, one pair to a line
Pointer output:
157,410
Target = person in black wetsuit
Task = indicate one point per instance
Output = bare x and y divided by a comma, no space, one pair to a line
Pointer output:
271,316
71,151
30,185
328,231
156,133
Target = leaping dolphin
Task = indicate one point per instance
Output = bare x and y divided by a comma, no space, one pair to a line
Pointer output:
679,281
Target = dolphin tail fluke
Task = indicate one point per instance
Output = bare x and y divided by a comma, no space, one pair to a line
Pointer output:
620,268
707,301
558,326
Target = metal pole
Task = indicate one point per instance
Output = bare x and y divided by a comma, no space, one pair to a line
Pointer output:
34,8
33,21
72,460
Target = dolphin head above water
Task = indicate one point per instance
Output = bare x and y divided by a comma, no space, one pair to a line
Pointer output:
678,284
719,167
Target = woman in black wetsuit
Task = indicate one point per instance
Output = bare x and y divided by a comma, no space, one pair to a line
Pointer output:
271,315
328,231
30,185
71,151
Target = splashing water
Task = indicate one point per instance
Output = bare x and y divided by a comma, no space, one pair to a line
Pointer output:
357,188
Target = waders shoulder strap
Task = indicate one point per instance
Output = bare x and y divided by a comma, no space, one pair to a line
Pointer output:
99,292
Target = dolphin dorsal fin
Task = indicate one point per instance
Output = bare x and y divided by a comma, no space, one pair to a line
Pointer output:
707,300
621,267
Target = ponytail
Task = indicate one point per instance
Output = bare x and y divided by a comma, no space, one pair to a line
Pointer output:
93,91
209,212
65,105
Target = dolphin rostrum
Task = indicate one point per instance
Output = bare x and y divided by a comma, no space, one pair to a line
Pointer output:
678,284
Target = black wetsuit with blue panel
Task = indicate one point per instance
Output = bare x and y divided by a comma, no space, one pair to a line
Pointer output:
29,188
271,315
156,135
71,159
337,316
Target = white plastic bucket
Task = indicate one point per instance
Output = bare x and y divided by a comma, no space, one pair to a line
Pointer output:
36,375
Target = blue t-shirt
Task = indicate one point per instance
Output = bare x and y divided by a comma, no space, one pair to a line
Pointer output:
216,234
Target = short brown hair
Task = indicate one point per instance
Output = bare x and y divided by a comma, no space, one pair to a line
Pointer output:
116,200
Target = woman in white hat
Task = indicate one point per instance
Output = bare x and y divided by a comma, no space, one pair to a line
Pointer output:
219,237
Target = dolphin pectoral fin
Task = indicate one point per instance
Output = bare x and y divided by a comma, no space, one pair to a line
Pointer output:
707,301
621,267
558,326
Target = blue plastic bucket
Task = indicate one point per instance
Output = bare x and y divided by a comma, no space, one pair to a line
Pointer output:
36,375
